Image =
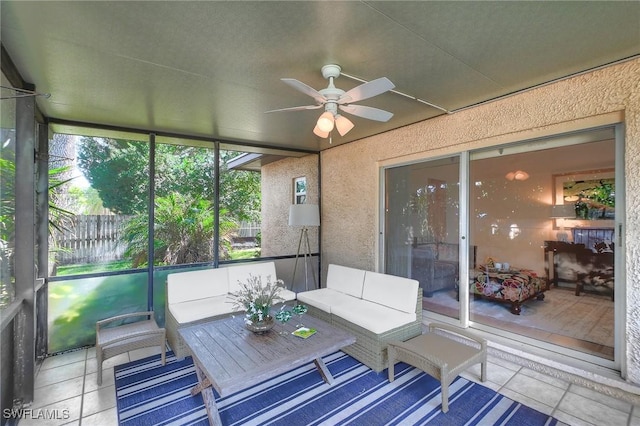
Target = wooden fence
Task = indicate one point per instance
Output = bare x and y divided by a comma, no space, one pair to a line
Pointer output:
91,239
96,239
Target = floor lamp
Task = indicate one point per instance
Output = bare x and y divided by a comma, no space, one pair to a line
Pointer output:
304,215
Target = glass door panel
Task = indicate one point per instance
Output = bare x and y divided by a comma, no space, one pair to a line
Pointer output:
542,219
421,221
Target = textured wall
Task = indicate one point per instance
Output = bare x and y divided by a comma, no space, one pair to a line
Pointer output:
350,173
278,238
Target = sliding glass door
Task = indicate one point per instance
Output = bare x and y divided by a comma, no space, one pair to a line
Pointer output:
543,264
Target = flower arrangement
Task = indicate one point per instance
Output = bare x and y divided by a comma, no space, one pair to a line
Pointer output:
256,299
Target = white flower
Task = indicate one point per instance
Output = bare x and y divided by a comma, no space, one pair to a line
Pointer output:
256,299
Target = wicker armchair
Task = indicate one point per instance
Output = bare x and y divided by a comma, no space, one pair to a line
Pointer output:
116,340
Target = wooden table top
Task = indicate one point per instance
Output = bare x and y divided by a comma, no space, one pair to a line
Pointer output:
233,358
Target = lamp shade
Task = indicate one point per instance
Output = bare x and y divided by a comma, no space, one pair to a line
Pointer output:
319,132
560,211
304,215
343,124
325,122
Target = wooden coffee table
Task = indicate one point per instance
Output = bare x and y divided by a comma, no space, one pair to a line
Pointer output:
229,358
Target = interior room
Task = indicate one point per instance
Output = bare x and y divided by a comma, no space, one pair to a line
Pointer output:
485,151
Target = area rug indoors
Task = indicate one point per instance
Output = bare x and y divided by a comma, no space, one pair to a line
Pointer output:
151,394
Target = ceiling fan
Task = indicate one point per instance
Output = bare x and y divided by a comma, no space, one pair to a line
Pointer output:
333,99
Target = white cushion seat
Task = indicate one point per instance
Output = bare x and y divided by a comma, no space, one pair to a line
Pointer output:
372,316
326,298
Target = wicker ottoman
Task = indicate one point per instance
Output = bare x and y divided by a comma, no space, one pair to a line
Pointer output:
441,356
116,340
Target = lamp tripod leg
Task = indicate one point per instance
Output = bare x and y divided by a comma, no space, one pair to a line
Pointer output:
308,251
295,266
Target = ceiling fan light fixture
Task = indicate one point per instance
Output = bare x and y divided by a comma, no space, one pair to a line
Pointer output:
319,132
343,124
325,122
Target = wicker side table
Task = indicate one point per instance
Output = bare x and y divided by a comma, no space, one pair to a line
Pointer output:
116,340
440,356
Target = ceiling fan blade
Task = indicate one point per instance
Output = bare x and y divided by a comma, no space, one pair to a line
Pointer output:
306,89
367,90
367,112
298,108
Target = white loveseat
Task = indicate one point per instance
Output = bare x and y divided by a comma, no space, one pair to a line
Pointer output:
376,307
198,296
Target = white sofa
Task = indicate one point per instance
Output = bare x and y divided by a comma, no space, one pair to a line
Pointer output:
198,296
376,307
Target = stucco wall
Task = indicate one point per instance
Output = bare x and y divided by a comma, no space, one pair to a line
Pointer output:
278,238
350,172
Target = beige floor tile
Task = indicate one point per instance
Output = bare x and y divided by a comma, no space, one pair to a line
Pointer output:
103,418
91,380
59,413
64,359
570,420
525,400
91,352
504,363
535,389
60,374
499,374
99,400
607,400
109,363
592,411
59,391
545,378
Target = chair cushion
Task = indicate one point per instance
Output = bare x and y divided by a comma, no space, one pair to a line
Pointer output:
346,280
194,310
194,285
392,291
372,316
325,298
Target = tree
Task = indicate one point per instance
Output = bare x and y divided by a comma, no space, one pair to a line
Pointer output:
118,170
183,231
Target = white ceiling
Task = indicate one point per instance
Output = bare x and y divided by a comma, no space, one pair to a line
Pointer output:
211,69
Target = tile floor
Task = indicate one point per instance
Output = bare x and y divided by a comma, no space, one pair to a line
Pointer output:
68,382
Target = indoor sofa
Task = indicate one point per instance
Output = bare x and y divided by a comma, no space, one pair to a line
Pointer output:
376,308
436,265
203,295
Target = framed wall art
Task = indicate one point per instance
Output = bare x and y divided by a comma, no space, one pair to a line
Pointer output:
593,195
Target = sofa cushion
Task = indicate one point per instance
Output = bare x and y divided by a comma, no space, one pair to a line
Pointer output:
444,269
392,291
194,310
194,285
287,295
241,273
372,316
346,280
448,252
325,298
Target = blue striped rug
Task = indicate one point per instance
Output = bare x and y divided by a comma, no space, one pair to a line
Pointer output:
151,394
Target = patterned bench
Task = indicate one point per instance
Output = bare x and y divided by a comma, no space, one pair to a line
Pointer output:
515,286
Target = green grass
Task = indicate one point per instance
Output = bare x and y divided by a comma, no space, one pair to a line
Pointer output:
120,265
91,268
245,254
